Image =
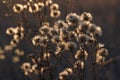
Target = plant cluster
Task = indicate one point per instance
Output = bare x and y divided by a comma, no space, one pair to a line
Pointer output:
67,50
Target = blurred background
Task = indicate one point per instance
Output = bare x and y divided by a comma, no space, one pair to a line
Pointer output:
106,13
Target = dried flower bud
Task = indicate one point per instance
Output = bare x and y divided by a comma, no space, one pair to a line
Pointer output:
64,73
15,59
71,46
82,55
14,42
41,5
48,2
34,8
19,52
17,8
10,31
54,6
72,19
86,16
55,13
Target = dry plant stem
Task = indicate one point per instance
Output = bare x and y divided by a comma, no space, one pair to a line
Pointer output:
45,12
94,60
84,71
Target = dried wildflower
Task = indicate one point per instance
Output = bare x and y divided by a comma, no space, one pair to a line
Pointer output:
62,45
10,31
2,57
96,30
100,55
55,13
65,73
1,51
14,42
33,8
81,54
17,8
36,40
25,6
27,68
72,35
71,46
79,64
53,32
100,45
82,65
18,36
8,47
85,27
72,19
4,1
46,56
99,59
19,52
55,39
15,59
44,29
83,38
19,28
48,2
54,6
102,52
86,16
39,40
41,5
34,67
60,25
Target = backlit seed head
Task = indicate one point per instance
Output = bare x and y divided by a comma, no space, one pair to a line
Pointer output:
19,52
82,55
25,6
72,19
8,47
18,36
55,13
54,6
1,51
36,40
41,5
85,26
10,31
26,67
46,56
100,45
71,46
14,42
2,57
83,38
86,16
45,29
98,31
17,8
20,28
60,24
15,59
102,51
72,35
66,72
33,8
34,67
79,64
48,2
55,39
